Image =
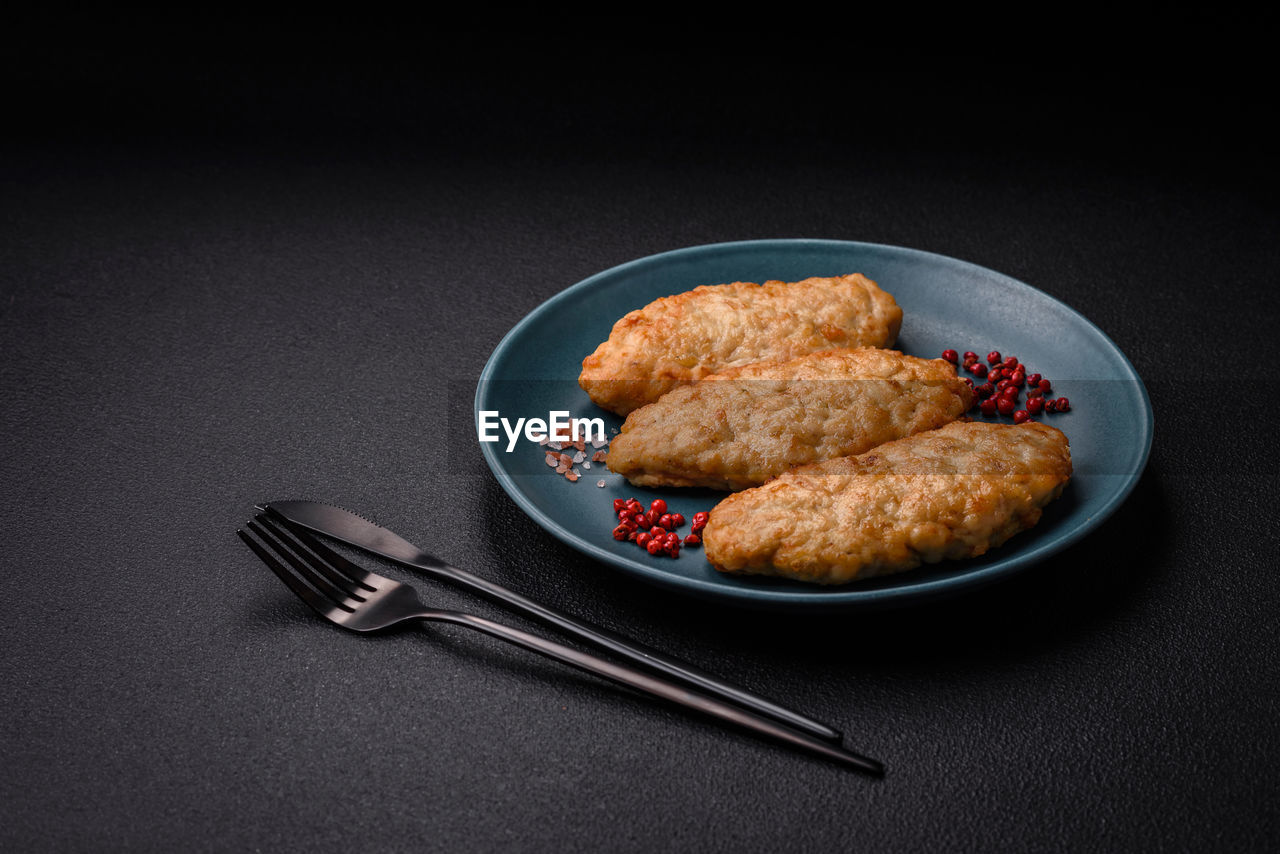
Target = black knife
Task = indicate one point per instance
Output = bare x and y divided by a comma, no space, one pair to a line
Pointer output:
357,531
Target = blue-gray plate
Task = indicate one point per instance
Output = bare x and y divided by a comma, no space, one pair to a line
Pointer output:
946,303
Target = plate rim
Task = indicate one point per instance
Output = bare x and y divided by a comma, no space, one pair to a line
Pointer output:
823,598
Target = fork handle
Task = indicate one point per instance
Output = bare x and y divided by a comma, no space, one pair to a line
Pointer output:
658,687
379,541
631,650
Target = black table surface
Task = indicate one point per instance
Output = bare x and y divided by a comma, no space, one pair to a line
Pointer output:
226,283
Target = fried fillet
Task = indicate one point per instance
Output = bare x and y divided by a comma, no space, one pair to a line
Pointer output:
683,338
744,426
954,492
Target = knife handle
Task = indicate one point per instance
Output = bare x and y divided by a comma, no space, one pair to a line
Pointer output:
379,541
759,724
631,650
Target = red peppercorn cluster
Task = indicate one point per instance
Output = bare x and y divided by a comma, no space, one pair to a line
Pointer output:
654,530
1006,380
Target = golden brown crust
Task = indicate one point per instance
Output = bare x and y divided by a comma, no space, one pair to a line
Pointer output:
683,338
949,493
747,425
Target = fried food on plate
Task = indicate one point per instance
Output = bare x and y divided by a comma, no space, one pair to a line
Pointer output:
744,426
683,338
954,492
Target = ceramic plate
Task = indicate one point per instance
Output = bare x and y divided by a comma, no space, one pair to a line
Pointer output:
946,303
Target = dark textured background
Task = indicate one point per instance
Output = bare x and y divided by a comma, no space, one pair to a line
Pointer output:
235,279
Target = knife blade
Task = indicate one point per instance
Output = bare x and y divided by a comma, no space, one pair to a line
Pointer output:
355,530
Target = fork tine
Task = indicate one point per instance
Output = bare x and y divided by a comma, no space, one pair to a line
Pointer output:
337,595
332,571
318,603
276,520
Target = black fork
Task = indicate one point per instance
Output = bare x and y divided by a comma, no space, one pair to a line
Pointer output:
362,601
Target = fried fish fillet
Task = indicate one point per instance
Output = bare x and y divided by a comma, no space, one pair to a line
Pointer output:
954,492
683,338
744,426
